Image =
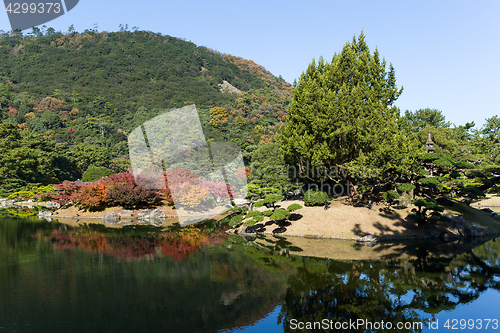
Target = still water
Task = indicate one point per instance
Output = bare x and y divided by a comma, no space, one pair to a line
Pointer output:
57,278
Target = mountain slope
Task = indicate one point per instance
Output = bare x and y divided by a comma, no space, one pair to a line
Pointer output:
86,91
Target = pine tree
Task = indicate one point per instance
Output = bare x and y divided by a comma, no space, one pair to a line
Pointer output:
343,115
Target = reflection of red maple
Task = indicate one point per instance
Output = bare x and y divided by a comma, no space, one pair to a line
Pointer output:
178,245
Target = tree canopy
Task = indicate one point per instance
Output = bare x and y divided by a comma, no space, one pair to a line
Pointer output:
343,114
421,118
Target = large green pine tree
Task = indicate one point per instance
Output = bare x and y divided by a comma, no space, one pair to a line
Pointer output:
343,114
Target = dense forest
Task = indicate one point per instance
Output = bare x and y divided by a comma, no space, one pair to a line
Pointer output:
68,102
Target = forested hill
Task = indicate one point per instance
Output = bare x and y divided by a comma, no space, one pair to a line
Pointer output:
127,69
93,88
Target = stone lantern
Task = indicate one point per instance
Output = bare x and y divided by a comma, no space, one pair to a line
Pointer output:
429,143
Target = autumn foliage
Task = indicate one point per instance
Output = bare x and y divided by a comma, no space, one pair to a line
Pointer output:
122,190
187,189
176,245
116,190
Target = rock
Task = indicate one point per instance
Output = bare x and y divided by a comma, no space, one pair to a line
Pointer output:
157,222
52,204
110,218
226,87
6,203
154,217
240,202
44,213
454,218
368,239
457,230
455,225
447,235
125,223
156,213
434,233
126,213
475,231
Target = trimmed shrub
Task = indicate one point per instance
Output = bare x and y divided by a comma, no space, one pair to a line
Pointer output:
294,207
390,196
66,190
91,197
123,191
424,207
405,187
94,173
314,197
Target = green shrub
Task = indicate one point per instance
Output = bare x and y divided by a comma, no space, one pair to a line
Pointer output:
280,214
267,212
94,173
315,198
390,196
426,206
294,207
405,187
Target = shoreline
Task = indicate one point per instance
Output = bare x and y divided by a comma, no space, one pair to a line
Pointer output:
342,221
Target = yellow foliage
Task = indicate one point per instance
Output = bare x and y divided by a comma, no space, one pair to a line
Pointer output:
219,117
30,115
74,112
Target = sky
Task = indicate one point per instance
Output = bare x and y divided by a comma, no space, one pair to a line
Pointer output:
445,53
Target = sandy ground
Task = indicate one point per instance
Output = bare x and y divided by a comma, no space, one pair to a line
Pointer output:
344,221
492,201
347,222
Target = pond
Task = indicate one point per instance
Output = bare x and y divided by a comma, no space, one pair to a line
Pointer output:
57,278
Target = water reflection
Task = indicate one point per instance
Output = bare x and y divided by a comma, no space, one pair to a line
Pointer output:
93,278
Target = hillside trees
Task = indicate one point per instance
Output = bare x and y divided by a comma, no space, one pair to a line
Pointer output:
488,141
343,114
30,158
425,117
85,91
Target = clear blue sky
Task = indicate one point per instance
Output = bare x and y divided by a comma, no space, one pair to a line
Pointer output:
445,52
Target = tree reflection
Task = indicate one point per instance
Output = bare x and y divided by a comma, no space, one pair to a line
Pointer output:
391,291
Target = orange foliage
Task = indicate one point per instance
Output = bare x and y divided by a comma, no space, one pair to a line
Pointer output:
74,112
92,196
12,112
186,187
266,138
178,245
50,103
